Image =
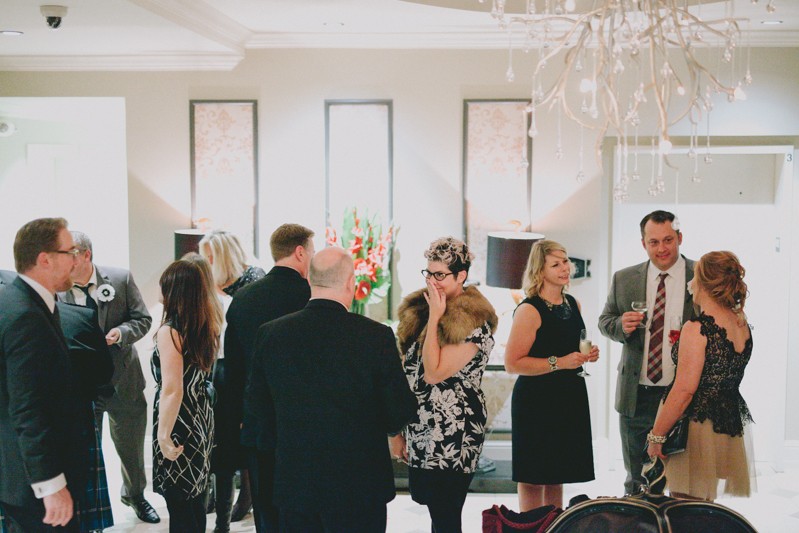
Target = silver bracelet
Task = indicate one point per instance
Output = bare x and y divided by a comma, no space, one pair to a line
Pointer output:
655,439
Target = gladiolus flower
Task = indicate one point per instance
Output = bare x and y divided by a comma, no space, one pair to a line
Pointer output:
362,290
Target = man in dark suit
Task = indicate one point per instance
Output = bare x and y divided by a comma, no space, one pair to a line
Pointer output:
335,384
639,389
6,277
40,449
284,290
124,319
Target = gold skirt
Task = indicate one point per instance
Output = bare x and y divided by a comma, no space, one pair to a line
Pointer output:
712,463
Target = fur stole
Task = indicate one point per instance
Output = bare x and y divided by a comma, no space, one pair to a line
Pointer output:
463,315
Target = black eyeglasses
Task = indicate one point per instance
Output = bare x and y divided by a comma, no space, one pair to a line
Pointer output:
74,252
438,275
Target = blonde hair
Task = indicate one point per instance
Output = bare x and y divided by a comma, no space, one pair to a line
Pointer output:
533,280
721,276
229,259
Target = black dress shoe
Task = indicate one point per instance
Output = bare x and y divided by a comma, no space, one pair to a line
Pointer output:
144,511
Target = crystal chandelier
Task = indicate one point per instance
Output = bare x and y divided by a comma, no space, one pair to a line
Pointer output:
624,59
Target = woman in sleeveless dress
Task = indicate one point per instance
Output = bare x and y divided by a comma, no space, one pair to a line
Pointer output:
445,334
183,424
549,408
711,355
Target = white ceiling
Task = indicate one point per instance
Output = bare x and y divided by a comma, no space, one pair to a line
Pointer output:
216,34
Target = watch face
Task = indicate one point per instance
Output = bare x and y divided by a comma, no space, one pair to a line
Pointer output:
552,360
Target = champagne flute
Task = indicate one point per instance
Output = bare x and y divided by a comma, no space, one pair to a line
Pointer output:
640,307
585,348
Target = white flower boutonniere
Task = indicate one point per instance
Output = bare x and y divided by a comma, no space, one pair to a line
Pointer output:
105,292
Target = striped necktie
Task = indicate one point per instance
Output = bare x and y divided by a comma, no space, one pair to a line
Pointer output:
654,367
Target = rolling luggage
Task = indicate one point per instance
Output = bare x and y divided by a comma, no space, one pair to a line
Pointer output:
650,512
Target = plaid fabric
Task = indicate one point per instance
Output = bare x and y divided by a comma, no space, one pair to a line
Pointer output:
94,506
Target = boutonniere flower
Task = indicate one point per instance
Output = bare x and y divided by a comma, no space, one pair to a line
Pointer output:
105,292
674,336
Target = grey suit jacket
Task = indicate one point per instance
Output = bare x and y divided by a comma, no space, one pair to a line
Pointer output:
629,284
127,312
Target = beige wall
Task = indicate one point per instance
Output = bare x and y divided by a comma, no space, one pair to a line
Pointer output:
428,89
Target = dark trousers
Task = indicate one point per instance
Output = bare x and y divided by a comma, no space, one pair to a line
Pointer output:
262,480
444,493
28,519
223,494
633,434
363,519
185,516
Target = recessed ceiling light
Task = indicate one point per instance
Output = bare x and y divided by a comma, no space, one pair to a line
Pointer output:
13,33
771,22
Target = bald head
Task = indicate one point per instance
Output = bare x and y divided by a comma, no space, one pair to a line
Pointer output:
331,268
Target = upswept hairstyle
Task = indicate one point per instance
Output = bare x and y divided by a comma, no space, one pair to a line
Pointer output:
659,217
286,238
189,311
452,252
229,258
721,276
35,237
533,280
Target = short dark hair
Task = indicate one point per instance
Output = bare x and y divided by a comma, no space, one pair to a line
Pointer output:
35,237
658,217
286,238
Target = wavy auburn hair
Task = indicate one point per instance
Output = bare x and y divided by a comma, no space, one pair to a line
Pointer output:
190,309
721,275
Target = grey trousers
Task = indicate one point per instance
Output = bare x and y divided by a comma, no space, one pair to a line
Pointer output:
633,434
128,419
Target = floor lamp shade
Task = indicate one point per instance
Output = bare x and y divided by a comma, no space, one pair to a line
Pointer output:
187,240
507,257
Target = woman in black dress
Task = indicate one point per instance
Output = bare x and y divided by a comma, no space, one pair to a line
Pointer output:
183,423
549,409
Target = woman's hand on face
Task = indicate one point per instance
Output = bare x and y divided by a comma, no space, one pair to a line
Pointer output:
655,450
436,300
169,449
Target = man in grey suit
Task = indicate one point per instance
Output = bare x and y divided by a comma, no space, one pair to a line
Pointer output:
646,368
124,319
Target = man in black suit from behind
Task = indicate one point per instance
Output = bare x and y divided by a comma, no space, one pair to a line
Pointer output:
335,384
284,290
42,468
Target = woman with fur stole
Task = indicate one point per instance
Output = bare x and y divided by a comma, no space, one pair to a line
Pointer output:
445,334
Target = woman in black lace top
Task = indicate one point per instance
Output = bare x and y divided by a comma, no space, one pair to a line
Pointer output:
711,355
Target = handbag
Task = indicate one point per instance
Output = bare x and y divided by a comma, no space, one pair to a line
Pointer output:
677,438
500,519
209,386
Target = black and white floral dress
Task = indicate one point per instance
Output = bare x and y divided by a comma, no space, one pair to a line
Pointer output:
449,429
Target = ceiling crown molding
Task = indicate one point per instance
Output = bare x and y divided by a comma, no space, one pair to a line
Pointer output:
202,19
121,63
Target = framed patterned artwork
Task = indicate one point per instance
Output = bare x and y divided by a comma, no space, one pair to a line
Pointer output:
224,168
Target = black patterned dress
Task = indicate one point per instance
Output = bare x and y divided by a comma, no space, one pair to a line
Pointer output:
449,428
194,430
550,416
252,273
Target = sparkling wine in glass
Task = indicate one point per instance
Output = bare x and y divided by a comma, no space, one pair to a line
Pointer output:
585,347
640,307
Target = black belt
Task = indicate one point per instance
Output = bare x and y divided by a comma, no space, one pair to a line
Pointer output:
651,388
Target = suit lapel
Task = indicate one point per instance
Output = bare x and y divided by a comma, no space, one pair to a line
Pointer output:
640,295
37,300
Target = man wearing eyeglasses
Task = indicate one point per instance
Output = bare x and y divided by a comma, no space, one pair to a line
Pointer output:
124,319
42,469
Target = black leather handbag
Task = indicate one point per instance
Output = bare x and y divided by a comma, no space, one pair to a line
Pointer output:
677,438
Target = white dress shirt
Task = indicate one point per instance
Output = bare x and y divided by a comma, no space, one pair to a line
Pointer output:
80,296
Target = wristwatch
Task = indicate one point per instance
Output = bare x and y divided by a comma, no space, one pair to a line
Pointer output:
553,363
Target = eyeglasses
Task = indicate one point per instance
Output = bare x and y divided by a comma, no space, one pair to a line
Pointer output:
74,252
438,275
